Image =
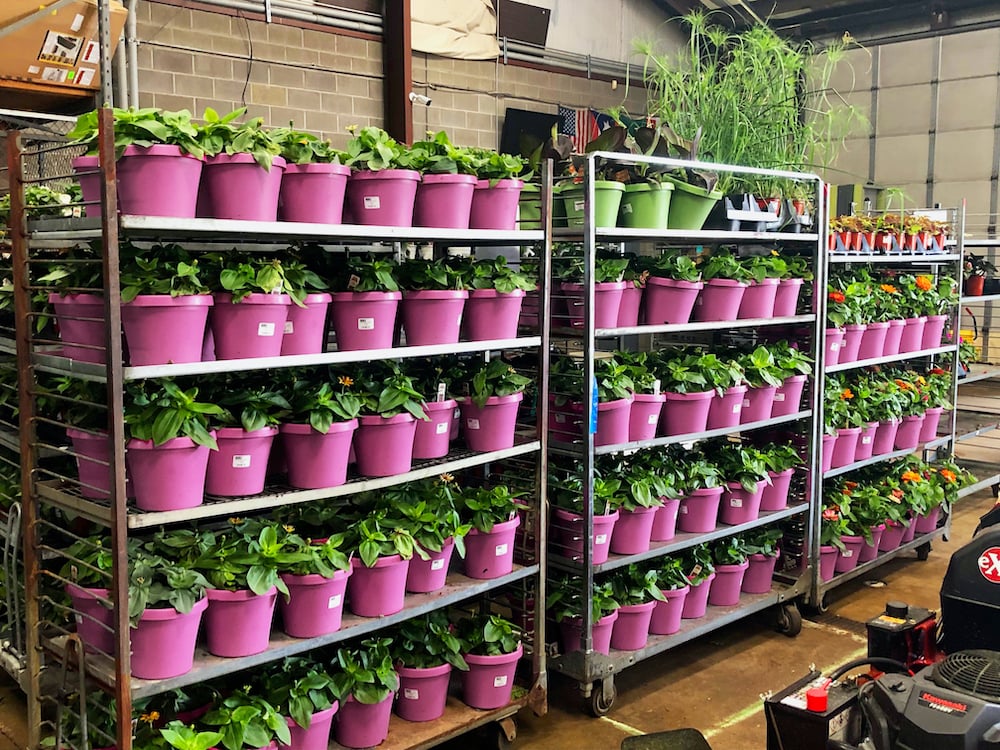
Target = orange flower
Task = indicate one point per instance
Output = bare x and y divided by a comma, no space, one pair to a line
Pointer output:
846,395
924,283
911,476
837,297
897,494
850,485
888,288
949,476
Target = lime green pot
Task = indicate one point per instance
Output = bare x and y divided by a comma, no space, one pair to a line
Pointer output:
607,201
529,207
690,206
645,205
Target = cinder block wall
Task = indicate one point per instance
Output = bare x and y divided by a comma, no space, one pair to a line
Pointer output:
325,81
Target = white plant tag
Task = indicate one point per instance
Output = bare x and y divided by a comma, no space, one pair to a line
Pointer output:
500,681
501,550
437,564
779,397
353,281
865,439
266,329
601,539
737,408
653,419
241,462
441,392
847,553
578,205
366,324
746,403
458,413
656,387
372,201
78,617
683,510
289,327
736,502
411,694
472,424
627,208
333,602
441,428
835,346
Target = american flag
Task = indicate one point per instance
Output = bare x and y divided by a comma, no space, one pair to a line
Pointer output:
580,125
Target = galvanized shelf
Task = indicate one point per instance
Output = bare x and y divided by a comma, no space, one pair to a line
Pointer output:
975,377
889,359
973,424
873,460
683,236
988,477
981,298
914,258
693,327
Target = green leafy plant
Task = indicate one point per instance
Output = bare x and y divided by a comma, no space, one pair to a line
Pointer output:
366,673
564,598
161,269
762,541
428,641
298,687
298,147
379,535
370,275
671,575
182,737
496,378
373,149
731,551
682,373
636,585
493,166
488,635
430,510
248,721
154,582
249,555
679,267
487,507
698,563
321,402
141,127
387,391
743,464
429,274
221,135
242,275
301,556
760,368
160,410
439,155
494,273
723,266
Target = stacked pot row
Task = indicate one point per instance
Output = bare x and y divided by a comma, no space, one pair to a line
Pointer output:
160,329
644,416
852,444
161,180
644,205
879,242
886,537
178,473
858,342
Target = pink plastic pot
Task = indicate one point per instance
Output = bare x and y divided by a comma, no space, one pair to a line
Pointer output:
565,420
444,201
253,613
758,299
568,536
313,193
873,341
738,505
429,575
491,555
775,494
490,427
757,404
719,300
628,310
893,337
685,413
644,416
696,602
383,446
760,571
384,198
613,422
571,630
666,619
81,322
725,590
725,411
379,590
866,442
908,434
490,679
433,316
788,397
834,343
885,437
847,559
432,437
92,462
161,329
828,556
317,736
361,725
928,522
868,551
607,302
236,187
159,180
305,327
670,300
252,327
170,476
316,460
423,692
163,642
786,301
933,331
94,619
910,531
529,312
829,441
892,537
90,183
631,629
315,605
699,511
239,466
365,320
665,520
929,428
845,447
495,206
913,335
853,333
632,531
491,315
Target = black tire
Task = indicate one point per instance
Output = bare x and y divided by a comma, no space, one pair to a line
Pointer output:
503,742
789,620
924,551
598,706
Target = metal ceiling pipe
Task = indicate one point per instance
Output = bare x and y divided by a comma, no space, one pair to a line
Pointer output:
132,53
341,19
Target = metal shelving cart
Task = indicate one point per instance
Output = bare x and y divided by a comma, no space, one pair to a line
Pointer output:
594,671
946,260
53,495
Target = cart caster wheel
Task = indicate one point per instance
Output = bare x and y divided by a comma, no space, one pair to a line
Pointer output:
599,706
822,605
789,620
506,733
924,551
996,491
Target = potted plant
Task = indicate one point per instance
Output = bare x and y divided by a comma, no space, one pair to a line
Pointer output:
689,396
795,367
763,276
79,314
672,289
385,546
730,557
390,406
182,737
764,377
634,277
364,313
699,566
433,301
674,585
87,582
614,401
976,269
169,442
498,189
637,499
447,182
608,190
761,548
316,573
159,162
489,545
489,413
744,470
833,526
700,485
567,516
425,650
248,721
725,283
637,591
383,186
315,178
491,648
564,601
780,461
496,294
795,274
243,169
305,329
164,305
440,377
647,398
303,692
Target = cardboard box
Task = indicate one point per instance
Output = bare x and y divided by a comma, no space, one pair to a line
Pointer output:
58,49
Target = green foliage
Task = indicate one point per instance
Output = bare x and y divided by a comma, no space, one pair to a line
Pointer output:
160,410
417,275
161,269
182,737
731,551
141,127
242,274
298,147
366,673
488,635
248,721
440,156
739,463
297,687
636,585
430,509
763,541
373,149
613,379
723,265
248,404
221,135
154,581
494,273
486,507
698,563
671,574
386,391
428,641
493,166
380,535
372,274
760,368
564,598
496,378
679,267
320,402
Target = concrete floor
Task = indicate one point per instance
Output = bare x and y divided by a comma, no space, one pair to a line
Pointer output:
713,684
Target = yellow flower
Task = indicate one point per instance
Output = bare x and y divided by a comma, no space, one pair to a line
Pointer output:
344,380
447,478
775,253
289,528
235,521
150,717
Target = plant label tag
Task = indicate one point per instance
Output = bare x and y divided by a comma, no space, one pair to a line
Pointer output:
372,202
835,346
78,617
289,327
353,281
847,553
736,502
746,403
458,413
411,694
601,539
437,564
779,397
656,387
652,419
241,462
441,392
501,550
578,205
737,408
560,418
266,329
366,324
500,681
333,602
442,428
866,439
683,510
695,571
472,424
626,208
